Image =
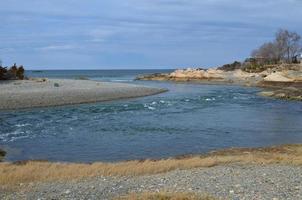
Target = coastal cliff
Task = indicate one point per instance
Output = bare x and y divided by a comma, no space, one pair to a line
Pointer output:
283,80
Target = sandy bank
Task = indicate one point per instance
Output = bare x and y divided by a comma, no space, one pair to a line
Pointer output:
55,92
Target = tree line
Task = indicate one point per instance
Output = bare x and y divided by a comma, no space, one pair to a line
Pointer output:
286,47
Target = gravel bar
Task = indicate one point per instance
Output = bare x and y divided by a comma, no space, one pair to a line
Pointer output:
274,182
56,92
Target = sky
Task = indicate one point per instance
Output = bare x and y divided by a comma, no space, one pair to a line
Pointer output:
138,34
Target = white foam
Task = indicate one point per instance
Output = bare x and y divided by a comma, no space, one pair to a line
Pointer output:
210,99
151,108
22,125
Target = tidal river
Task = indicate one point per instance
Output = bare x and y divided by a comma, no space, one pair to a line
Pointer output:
189,119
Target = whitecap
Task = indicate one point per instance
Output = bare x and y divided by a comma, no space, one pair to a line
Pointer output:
22,125
153,103
151,108
210,99
12,136
17,138
161,101
118,80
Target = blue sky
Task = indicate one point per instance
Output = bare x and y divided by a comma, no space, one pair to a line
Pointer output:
121,34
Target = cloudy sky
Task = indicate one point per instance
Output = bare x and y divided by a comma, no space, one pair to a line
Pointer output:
108,34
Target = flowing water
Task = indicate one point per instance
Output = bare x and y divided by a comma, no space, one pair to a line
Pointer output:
189,119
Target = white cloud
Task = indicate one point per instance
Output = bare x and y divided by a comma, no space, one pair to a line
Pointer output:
57,47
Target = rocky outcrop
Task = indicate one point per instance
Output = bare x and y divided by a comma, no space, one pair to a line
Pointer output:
278,77
289,93
281,73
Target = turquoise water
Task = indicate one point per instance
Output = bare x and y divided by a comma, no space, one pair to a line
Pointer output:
189,119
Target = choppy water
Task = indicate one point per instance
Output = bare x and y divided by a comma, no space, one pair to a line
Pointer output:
188,119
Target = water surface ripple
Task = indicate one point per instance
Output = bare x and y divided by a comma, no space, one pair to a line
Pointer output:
189,119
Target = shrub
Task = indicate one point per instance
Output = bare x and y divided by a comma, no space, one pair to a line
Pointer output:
13,73
231,67
2,154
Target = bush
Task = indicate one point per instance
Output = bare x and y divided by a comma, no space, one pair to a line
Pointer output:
13,73
2,154
231,67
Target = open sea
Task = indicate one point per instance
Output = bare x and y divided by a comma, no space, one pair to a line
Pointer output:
189,119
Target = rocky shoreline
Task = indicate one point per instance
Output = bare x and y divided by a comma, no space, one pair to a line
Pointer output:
282,81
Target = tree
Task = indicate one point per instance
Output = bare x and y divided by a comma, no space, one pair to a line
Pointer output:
285,47
288,44
268,52
20,72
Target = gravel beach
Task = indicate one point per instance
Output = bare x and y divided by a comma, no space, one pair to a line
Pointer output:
222,182
55,92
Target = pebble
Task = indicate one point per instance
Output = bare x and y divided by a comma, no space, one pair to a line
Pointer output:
222,182
67,192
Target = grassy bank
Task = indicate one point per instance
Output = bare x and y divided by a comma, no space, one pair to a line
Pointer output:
31,171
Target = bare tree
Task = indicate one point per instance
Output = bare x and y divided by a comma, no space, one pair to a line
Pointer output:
285,47
268,52
288,44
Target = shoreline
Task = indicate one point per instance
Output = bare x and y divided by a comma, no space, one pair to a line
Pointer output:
235,172
288,154
282,82
21,94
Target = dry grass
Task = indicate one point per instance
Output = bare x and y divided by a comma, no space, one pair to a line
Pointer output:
31,171
165,196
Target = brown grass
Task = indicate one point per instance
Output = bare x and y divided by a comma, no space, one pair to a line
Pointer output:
31,171
165,196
